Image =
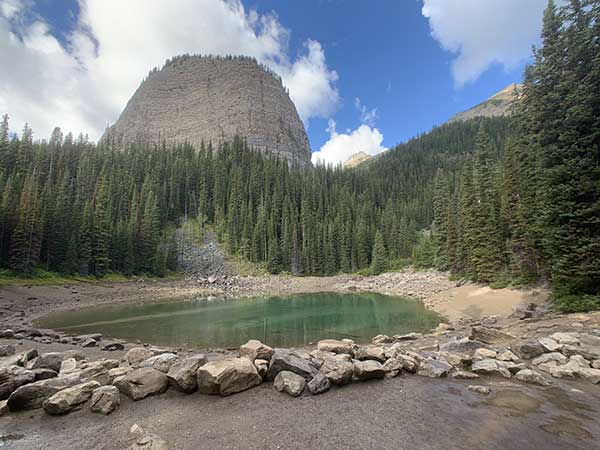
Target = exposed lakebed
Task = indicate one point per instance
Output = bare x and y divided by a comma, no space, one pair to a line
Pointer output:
225,322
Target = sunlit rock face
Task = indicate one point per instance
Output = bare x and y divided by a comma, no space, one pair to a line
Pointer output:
199,99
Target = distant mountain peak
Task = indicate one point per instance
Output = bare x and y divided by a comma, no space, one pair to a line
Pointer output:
497,105
356,159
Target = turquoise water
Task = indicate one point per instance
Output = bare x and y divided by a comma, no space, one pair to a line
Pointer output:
278,321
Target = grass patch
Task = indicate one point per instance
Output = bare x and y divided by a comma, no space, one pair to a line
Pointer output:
41,277
573,303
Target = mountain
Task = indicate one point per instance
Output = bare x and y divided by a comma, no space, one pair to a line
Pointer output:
497,105
356,159
206,99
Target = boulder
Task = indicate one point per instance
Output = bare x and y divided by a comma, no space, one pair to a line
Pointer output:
138,355
84,337
335,346
454,359
550,344
26,356
118,372
507,355
408,337
13,377
392,367
89,343
338,370
491,336
183,375
533,377
112,346
464,345
51,361
284,359
162,363
483,390
44,374
589,374
372,352
566,338
524,310
141,383
433,369
68,365
227,376
68,399
530,349
559,358
596,364
409,363
254,349
492,367
290,383
33,395
319,384
262,367
7,350
3,407
105,400
368,370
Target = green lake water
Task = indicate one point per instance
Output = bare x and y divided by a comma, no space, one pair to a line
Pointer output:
278,321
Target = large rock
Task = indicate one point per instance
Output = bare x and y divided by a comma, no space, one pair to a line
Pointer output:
105,400
371,352
7,350
558,358
319,384
254,349
142,383
227,376
68,399
284,359
202,99
33,395
138,355
51,361
550,345
491,336
368,370
12,377
183,375
533,377
339,371
566,338
434,369
289,383
492,367
392,367
530,349
162,362
335,346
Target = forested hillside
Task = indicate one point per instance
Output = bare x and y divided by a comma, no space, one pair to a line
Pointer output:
496,200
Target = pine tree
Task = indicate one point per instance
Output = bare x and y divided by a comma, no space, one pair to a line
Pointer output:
26,240
379,257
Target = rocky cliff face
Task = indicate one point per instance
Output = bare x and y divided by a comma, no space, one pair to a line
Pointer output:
212,99
497,105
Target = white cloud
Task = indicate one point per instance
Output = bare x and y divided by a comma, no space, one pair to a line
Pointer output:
367,116
484,32
342,146
84,87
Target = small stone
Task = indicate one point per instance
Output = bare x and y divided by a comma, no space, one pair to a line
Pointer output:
68,365
596,364
105,400
112,346
464,375
407,337
507,355
319,384
137,355
7,350
483,353
483,390
381,339
3,407
491,367
290,383
262,367
434,369
550,344
89,343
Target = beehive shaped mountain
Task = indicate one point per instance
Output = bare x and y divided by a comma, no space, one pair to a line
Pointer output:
199,99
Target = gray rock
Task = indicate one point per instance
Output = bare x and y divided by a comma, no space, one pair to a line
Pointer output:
138,355
566,338
335,346
149,441
7,334
199,99
141,383
392,367
68,399
33,395
105,400
319,384
464,375
491,336
3,407
530,349
492,367
464,345
559,358
382,339
26,356
227,376
289,383
7,350
183,374
51,361
483,390
254,349
84,337
409,363
589,374
68,365
284,359
262,367
89,343
434,369
372,352
112,346
44,374
533,377
550,344
407,337
162,363
368,370
339,371
13,377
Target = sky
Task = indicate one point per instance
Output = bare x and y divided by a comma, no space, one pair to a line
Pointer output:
364,76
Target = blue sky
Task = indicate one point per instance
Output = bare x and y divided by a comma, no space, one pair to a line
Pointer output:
394,68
